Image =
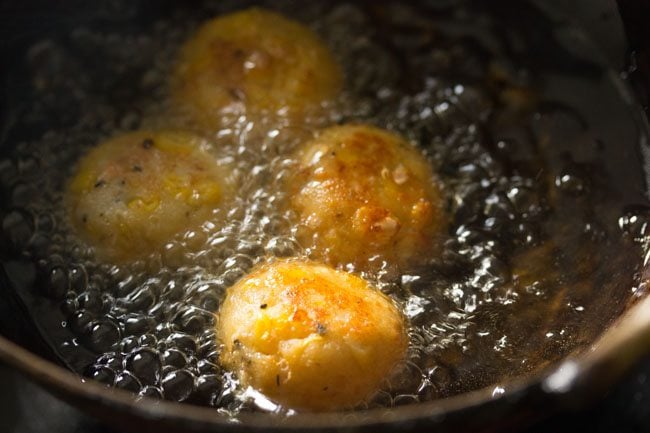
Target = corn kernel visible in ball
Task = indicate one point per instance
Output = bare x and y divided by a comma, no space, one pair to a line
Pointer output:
365,197
133,193
254,61
310,337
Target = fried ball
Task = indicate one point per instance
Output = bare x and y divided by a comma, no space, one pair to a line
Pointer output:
254,60
310,337
364,196
133,193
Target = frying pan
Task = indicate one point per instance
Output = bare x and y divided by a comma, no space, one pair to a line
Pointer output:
573,382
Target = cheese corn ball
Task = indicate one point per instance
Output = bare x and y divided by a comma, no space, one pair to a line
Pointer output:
310,337
253,61
133,193
364,196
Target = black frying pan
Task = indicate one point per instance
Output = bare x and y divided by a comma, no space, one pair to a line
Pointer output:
574,381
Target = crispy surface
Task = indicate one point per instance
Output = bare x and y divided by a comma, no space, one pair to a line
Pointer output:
254,60
363,196
310,337
131,194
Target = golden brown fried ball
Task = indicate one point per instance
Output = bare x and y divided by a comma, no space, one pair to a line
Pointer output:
310,337
364,196
254,60
133,193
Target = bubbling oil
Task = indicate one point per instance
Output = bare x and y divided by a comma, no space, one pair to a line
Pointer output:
530,238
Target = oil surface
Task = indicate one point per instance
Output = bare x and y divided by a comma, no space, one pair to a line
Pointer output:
537,155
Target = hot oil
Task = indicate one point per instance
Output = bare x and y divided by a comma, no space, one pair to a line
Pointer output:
534,266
